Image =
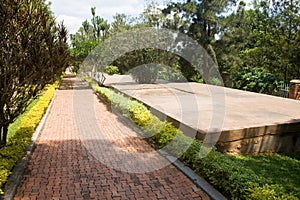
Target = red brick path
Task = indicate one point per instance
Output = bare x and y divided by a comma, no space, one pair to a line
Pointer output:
62,166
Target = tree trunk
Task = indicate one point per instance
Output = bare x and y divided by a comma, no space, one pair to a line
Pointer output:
3,131
0,135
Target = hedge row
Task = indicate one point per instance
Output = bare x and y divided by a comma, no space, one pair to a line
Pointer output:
17,144
224,172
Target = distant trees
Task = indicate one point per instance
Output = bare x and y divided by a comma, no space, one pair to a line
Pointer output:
262,40
33,53
266,36
203,18
88,37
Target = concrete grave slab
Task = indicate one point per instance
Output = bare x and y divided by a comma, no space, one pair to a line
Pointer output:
239,121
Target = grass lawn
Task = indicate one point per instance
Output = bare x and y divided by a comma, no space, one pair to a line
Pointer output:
279,169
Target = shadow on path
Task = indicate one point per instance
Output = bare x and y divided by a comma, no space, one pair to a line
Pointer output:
62,167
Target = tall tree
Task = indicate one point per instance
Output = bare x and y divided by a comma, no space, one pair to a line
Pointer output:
100,25
121,23
202,21
33,52
265,36
88,37
202,16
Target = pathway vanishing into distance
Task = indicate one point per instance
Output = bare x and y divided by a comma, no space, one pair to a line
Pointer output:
85,151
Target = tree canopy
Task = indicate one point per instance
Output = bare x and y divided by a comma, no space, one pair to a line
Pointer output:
260,39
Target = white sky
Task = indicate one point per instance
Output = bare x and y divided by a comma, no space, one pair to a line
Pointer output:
74,12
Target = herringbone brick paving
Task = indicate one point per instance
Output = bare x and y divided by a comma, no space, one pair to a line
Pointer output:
63,167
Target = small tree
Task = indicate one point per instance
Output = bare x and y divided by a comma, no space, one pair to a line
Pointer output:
33,52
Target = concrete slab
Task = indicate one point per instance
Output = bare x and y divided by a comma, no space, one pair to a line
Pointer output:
238,121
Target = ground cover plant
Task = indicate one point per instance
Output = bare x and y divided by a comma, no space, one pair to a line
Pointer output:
20,133
237,177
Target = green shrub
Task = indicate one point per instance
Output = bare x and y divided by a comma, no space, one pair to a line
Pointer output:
230,177
152,129
20,140
165,134
110,70
138,113
268,192
255,79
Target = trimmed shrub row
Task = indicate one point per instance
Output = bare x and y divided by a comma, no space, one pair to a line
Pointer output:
226,173
20,140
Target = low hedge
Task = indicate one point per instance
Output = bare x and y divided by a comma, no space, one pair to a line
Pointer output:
20,139
228,174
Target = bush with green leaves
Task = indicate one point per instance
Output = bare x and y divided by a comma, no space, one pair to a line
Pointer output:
111,70
20,139
255,79
268,192
229,174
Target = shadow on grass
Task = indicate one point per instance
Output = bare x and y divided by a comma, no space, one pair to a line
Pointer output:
278,169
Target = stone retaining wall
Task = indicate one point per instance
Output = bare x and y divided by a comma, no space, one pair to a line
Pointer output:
283,138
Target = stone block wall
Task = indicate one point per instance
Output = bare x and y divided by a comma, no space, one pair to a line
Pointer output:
294,89
283,138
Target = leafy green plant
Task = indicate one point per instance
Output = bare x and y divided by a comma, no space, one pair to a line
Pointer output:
269,192
21,133
110,70
280,169
255,79
139,113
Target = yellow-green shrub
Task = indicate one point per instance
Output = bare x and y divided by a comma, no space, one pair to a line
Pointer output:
139,114
112,70
16,145
268,192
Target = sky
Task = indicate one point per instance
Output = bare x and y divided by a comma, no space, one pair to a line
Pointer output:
74,12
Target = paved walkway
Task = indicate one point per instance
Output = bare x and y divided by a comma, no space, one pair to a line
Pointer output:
71,161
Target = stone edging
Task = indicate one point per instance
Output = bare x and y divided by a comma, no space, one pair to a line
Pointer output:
199,181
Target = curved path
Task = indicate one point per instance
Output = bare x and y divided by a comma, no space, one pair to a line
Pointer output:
64,165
